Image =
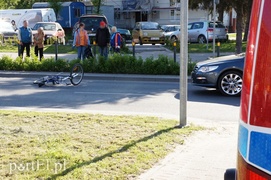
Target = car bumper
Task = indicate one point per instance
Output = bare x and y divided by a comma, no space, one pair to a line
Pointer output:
218,37
204,79
149,40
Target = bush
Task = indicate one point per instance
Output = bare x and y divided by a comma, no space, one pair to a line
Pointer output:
116,63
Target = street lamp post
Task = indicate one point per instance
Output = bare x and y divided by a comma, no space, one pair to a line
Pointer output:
214,14
215,2
183,62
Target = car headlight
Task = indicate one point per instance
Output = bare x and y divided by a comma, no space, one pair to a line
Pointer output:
207,68
128,33
145,34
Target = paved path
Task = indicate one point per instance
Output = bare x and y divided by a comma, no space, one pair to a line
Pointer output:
195,57
204,155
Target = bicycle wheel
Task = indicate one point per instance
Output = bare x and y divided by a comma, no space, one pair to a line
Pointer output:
77,74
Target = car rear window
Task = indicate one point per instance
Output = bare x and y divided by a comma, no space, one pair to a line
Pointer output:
45,26
217,25
92,23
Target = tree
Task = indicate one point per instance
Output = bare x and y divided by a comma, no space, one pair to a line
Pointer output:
249,7
55,5
97,4
8,4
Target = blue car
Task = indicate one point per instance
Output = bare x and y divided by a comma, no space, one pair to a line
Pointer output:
223,73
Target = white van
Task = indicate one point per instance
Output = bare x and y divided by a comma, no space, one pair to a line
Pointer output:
31,15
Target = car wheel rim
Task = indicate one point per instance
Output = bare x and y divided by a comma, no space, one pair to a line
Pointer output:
201,40
231,84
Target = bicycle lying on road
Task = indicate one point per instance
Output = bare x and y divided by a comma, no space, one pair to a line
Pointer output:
75,77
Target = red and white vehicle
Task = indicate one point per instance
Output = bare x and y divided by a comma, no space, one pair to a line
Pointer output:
254,138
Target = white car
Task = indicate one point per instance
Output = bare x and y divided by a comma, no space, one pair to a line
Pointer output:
7,32
173,36
51,29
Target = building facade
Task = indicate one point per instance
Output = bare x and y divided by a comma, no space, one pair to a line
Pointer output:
128,12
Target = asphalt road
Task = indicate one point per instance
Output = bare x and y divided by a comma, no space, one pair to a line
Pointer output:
118,97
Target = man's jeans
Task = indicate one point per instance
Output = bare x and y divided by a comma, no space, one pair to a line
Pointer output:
103,51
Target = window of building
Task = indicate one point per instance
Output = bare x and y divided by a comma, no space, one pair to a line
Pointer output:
117,13
172,14
77,12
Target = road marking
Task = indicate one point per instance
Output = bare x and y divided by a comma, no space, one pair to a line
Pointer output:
125,94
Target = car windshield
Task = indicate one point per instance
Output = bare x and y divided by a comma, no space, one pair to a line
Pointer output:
150,26
45,26
92,23
5,26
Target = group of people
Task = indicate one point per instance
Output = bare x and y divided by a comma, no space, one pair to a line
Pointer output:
81,40
103,39
26,39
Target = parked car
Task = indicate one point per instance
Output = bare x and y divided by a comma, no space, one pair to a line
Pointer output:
203,30
170,28
125,34
92,23
172,35
148,33
224,73
51,29
7,32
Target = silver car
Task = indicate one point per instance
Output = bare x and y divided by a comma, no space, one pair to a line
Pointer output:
203,30
172,32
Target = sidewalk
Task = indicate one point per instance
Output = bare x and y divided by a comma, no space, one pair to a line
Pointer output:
204,156
195,57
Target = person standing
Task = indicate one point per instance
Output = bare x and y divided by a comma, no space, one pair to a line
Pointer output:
81,41
102,39
39,43
25,38
14,25
115,41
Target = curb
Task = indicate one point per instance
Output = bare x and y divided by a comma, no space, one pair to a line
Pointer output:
97,76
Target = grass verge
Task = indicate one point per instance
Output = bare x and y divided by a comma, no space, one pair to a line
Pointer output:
202,48
42,145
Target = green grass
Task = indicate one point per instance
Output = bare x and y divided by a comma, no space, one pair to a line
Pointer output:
224,47
42,145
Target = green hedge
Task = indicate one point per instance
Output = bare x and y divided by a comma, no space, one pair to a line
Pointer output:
117,63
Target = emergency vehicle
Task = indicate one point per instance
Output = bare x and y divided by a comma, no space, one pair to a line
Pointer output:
254,137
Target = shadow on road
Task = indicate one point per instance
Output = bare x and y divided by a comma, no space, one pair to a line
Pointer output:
209,95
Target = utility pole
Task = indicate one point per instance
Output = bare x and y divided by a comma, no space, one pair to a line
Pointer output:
214,18
215,2
183,62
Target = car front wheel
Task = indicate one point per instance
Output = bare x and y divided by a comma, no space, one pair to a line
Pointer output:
230,83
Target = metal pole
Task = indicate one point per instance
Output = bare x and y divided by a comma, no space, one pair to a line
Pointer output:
174,55
214,18
133,44
183,62
56,48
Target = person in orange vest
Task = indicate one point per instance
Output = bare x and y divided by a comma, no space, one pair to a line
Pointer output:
81,41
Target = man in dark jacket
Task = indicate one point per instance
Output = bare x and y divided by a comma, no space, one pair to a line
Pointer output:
103,39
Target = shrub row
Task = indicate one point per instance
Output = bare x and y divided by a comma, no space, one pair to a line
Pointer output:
117,63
